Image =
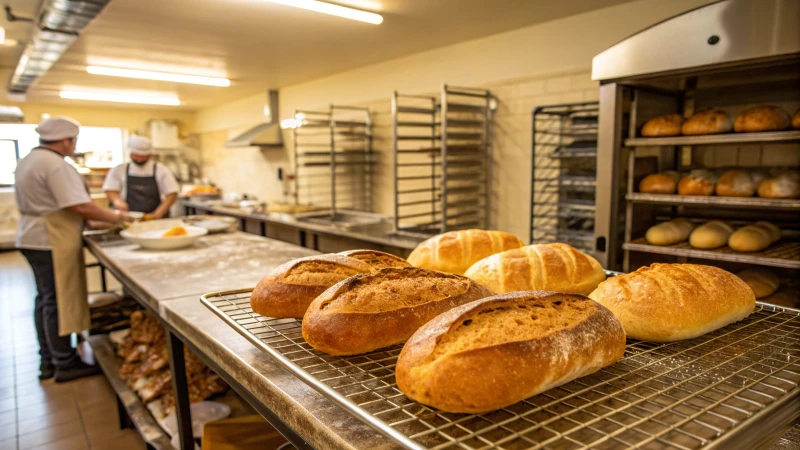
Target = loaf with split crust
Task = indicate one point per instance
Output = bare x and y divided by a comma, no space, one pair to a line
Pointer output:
455,251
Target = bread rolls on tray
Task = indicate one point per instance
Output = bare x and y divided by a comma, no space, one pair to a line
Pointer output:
376,259
735,183
789,297
712,234
708,121
660,183
698,182
455,251
550,267
755,237
670,302
290,288
666,125
762,118
375,310
762,281
668,233
497,351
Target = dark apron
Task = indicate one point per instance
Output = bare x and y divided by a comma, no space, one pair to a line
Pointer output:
141,193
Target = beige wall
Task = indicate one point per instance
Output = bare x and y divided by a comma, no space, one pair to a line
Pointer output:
543,64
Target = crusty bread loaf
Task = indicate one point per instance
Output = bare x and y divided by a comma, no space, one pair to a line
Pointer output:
668,233
708,121
666,125
789,297
712,234
758,176
670,302
698,182
786,185
376,259
735,183
376,310
500,350
754,238
455,251
796,120
763,282
290,288
762,118
549,267
659,183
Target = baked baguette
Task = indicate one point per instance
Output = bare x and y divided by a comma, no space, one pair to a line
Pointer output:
670,302
372,311
755,237
668,233
712,234
376,259
290,288
708,121
736,183
550,267
762,281
666,125
499,350
762,118
455,251
698,182
785,185
660,183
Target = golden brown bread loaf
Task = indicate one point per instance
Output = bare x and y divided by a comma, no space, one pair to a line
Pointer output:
755,237
762,118
785,185
698,182
500,350
660,183
549,267
376,259
712,234
376,310
789,297
763,282
708,121
669,233
455,251
666,125
290,288
758,176
670,302
736,183
796,120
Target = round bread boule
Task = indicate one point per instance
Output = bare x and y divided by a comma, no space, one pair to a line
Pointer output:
666,125
762,118
708,121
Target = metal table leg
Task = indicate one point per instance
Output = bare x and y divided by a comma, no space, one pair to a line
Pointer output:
180,389
264,229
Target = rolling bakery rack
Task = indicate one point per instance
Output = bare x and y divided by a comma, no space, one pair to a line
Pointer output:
333,158
563,174
735,388
442,160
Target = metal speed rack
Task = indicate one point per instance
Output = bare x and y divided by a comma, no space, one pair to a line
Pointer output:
442,159
563,174
733,388
333,158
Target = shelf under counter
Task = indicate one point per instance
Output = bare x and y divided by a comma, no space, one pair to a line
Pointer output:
785,253
716,139
747,202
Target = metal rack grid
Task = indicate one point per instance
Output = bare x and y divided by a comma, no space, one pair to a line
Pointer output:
747,202
442,160
782,254
709,392
563,174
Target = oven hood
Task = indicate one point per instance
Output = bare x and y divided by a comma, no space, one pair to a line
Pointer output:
11,114
265,134
720,33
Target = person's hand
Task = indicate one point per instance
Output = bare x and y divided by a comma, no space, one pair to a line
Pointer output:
124,217
121,205
153,216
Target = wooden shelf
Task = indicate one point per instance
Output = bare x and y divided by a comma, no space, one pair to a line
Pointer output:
785,253
747,202
716,139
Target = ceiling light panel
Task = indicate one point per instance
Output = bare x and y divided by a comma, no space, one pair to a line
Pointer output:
333,10
120,97
161,76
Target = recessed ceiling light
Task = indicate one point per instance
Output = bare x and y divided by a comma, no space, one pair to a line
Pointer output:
120,98
161,76
333,10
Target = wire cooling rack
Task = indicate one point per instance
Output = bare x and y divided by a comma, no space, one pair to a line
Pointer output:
733,388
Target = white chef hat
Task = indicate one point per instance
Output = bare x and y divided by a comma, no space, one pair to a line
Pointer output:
57,128
139,145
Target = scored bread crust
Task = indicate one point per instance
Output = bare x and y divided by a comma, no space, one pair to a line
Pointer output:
376,259
281,295
441,367
666,125
553,267
374,316
455,251
762,118
708,121
671,302
658,183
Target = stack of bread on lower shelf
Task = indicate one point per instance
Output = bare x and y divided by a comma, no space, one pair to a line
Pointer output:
488,321
780,184
714,234
716,121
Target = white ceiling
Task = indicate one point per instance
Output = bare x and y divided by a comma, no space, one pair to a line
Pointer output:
261,45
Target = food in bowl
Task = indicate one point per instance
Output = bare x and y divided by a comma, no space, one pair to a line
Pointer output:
175,231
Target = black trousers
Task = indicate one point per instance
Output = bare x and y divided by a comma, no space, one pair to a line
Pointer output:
53,349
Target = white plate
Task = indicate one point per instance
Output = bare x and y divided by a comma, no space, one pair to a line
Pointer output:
151,234
135,215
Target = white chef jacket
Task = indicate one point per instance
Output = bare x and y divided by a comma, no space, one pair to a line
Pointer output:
167,184
45,183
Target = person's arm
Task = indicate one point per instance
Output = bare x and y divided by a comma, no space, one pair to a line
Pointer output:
90,211
163,208
116,200
168,185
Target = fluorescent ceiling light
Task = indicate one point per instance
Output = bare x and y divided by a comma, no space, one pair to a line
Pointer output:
333,10
146,75
2,35
121,98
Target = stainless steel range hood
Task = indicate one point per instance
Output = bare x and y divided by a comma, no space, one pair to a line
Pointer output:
265,134
11,114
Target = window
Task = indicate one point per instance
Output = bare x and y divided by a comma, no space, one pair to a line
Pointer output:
9,154
102,146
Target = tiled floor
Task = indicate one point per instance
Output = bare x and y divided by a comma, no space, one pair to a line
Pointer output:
78,415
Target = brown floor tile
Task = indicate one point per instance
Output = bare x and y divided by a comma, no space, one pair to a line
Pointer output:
44,396
77,442
54,433
128,440
25,412
48,387
99,413
8,431
25,426
9,444
61,416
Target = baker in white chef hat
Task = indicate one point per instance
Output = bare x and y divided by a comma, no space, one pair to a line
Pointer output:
143,185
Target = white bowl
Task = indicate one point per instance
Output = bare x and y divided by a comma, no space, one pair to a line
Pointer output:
151,234
135,215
